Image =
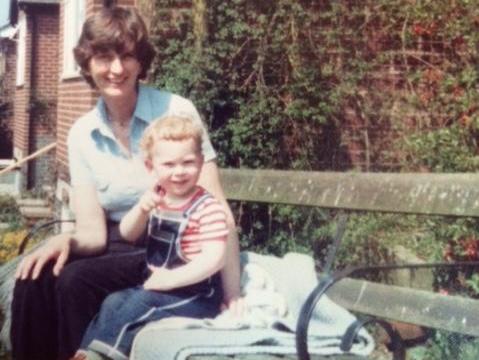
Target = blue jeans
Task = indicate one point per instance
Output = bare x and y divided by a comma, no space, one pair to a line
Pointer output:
125,312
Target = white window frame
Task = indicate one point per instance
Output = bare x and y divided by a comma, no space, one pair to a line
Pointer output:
3,62
73,18
21,49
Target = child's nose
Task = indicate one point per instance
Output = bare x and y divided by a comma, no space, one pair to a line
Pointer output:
179,170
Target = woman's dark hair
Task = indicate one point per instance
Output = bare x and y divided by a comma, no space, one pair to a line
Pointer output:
114,28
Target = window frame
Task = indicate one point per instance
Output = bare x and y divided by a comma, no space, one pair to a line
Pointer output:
21,50
73,18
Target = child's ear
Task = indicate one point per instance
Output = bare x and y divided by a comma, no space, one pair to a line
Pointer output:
149,165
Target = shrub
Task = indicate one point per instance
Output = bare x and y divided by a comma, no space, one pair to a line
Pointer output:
9,211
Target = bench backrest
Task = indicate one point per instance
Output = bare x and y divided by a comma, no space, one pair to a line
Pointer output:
413,193
408,193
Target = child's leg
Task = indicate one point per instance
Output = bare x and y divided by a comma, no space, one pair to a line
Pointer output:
129,310
88,355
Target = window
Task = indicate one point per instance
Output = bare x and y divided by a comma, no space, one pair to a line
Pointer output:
74,15
21,49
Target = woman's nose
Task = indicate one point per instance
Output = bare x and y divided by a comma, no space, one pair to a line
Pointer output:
116,65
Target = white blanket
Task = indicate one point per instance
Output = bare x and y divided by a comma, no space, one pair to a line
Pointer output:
274,290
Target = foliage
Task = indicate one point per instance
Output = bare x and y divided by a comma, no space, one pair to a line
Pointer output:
286,228
330,85
443,345
368,239
9,211
42,111
10,241
11,236
249,81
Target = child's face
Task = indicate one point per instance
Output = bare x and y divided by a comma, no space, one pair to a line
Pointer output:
176,166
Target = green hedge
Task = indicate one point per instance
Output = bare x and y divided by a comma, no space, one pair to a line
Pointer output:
329,85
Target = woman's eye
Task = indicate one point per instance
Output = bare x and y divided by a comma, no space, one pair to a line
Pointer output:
103,57
128,56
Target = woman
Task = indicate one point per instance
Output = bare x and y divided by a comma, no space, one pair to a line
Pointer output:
61,285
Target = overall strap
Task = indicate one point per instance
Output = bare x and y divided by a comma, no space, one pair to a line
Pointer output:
196,203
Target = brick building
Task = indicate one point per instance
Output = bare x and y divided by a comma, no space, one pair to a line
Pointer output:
44,85
7,79
7,92
34,87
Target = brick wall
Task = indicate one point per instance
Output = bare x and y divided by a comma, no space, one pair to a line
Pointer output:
43,101
22,97
9,76
8,48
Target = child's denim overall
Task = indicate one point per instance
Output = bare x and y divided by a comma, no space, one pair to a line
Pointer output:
124,313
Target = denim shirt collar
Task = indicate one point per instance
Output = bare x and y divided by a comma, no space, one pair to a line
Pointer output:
143,112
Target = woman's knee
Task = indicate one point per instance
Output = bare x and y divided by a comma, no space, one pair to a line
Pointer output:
73,279
29,288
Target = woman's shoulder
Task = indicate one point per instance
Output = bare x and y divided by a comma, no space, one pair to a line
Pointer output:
164,97
84,124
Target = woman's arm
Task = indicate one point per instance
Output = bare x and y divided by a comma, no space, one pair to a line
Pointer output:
230,274
89,236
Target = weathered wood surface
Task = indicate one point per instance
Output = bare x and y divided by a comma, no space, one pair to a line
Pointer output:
419,307
273,357
417,193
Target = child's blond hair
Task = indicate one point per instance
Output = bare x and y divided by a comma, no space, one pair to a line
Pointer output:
171,127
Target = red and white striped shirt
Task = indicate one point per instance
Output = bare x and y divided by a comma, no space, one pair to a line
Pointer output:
206,223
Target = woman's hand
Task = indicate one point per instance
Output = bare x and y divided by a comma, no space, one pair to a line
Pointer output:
57,248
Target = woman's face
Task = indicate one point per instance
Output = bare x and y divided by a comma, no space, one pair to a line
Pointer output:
114,74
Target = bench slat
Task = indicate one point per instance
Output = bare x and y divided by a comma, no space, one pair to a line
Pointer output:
273,357
446,312
416,193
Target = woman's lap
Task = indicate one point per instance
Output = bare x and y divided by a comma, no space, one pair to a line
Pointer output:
64,305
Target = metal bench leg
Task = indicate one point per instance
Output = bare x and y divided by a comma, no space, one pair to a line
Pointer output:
34,231
397,345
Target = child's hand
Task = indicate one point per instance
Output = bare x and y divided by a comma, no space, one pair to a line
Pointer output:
159,280
149,200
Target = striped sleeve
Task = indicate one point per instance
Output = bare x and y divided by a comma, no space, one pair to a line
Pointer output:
207,223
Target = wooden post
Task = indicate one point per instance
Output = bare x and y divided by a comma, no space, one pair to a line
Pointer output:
28,158
200,27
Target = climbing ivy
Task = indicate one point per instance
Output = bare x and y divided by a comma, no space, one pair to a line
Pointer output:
373,85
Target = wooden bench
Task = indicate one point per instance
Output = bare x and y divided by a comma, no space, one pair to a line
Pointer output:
423,194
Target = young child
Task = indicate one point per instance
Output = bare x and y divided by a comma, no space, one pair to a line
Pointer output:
187,233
